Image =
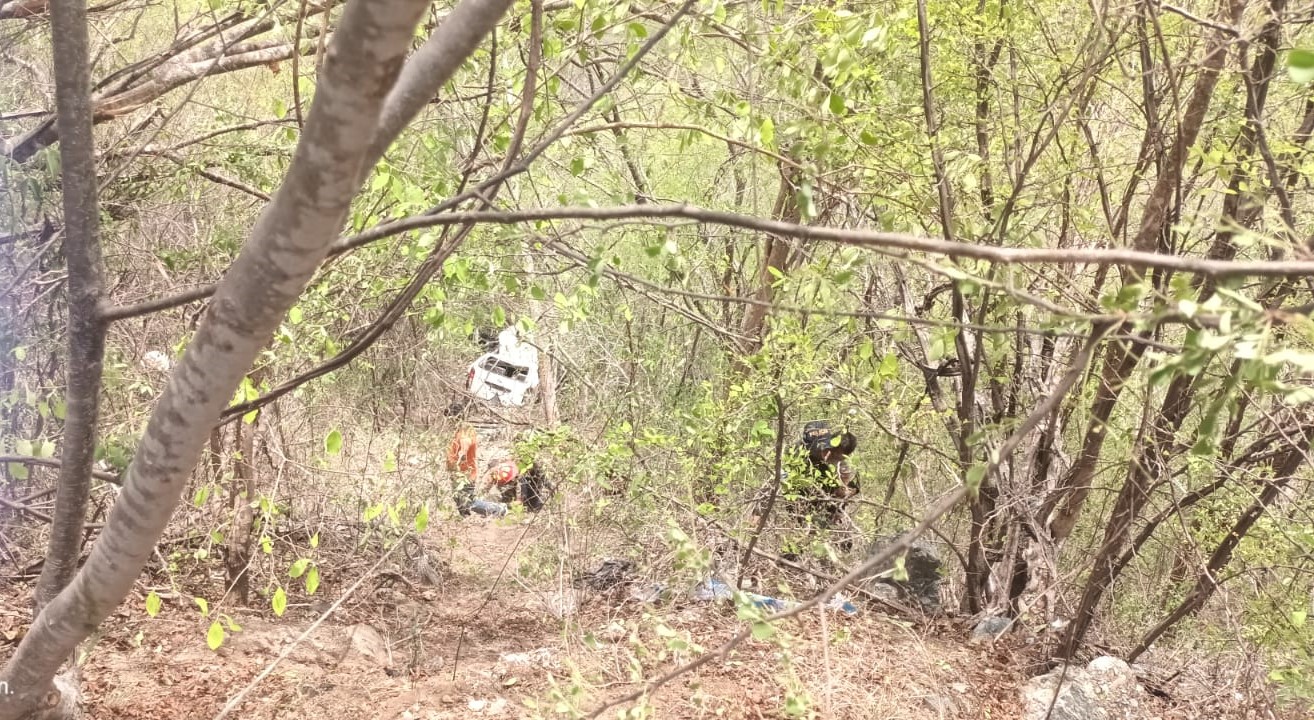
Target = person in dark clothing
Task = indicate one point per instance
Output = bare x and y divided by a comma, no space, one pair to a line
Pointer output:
530,486
817,481
830,479
535,490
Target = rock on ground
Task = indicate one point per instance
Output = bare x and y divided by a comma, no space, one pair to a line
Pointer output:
1106,689
923,565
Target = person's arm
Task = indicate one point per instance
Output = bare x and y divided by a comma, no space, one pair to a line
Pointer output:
848,479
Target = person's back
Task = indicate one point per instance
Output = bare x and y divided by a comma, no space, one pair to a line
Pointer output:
463,450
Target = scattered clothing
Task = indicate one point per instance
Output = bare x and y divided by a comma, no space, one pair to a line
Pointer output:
713,589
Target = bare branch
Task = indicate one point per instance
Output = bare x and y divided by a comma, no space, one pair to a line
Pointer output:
897,244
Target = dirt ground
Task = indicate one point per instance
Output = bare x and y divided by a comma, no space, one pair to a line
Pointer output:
481,643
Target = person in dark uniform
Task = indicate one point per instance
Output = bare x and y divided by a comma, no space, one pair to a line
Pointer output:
829,479
817,481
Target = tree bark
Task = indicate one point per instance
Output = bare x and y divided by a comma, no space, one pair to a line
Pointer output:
237,551
776,256
86,330
213,58
289,241
1240,209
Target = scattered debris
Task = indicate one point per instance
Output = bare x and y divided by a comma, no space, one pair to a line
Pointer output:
157,361
713,589
369,644
611,573
544,658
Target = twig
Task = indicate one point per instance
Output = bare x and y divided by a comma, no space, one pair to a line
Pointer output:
771,496
108,477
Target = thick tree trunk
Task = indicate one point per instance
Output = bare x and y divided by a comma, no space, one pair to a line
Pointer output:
288,243
776,256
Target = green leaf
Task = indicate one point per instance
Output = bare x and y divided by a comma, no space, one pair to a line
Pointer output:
836,104
807,208
215,637
975,475
867,138
314,540
295,315
1298,618
901,569
333,442
312,581
768,132
152,604
279,602
203,604
298,567
1299,396
763,631
1300,65
422,518
1302,360
499,316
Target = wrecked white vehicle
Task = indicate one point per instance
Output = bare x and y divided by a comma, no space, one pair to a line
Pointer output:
508,375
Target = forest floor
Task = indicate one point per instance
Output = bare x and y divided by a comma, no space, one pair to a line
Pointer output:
398,649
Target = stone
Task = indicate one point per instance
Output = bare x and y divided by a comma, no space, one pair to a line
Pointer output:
922,564
990,628
1106,689
368,644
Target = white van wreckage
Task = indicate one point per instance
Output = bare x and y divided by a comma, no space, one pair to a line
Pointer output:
508,375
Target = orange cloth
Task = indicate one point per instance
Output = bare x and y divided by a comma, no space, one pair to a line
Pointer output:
504,472
461,453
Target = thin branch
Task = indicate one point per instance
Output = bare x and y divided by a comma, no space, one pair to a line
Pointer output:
215,177
108,477
886,241
124,312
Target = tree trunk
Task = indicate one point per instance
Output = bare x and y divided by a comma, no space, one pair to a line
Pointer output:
776,257
86,330
237,551
1065,505
288,243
